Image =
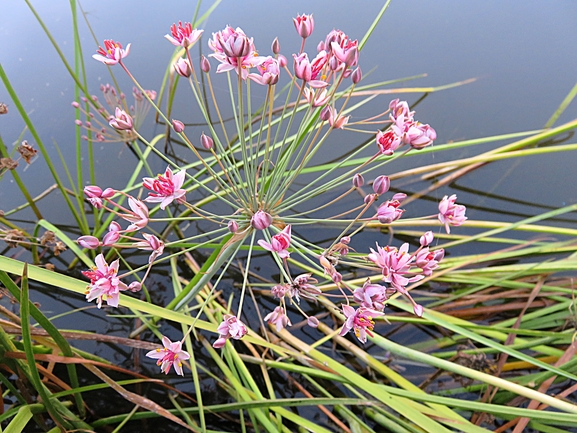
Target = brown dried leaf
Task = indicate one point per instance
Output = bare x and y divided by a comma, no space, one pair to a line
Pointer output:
8,163
26,151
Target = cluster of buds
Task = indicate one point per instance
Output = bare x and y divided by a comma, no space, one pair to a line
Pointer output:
404,130
115,121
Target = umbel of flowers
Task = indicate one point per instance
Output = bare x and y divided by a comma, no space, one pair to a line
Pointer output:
252,175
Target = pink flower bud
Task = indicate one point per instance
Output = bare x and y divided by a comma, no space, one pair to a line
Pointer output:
206,141
261,220
312,321
121,121
346,240
426,239
336,277
135,286
111,238
326,113
232,226
275,46
399,196
75,104
282,61
370,198
90,242
357,75
381,185
92,191
304,25
358,180
418,309
78,122
205,65
182,67
177,125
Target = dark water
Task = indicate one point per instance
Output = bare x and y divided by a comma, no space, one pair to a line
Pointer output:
521,54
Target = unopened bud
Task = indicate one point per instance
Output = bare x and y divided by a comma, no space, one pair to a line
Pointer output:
418,309
370,198
90,242
206,141
75,104
313,322
326,113
358,180
275,46
204,65
135,286
182,68
381,185
177,125
232,226
426,239
261,220
357,75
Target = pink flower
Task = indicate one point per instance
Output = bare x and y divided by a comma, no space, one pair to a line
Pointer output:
122,121
317,98
371,296
113,234
183,36
400,110
389,211
172,354
428,261
337,122
151,243
279,318
95,195
112,53
138,216
260,220
230,327
279,243
234,50
395,266
309,72
165,188
304,25
388,142
451,214
104,284
419,136
269,72
304,286
346,52
360,321
182,67
280,290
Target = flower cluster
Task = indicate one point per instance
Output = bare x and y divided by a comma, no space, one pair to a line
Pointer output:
252,177
404,130
120,126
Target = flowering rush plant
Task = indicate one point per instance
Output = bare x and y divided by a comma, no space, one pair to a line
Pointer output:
248,184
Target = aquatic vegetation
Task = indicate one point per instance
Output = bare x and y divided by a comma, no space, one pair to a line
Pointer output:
293,266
